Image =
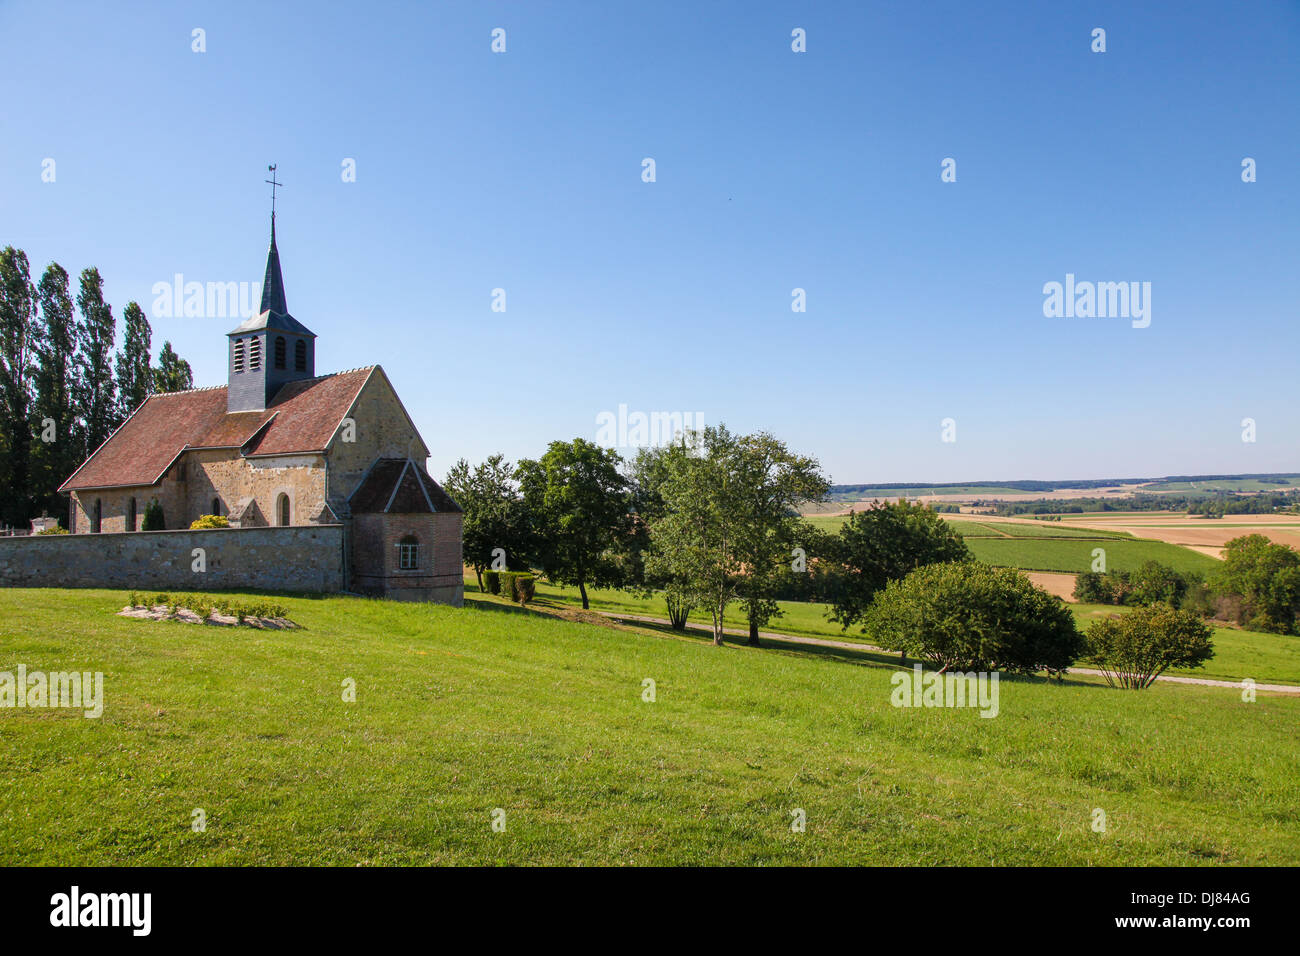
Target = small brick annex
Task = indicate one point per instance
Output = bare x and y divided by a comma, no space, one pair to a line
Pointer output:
406,535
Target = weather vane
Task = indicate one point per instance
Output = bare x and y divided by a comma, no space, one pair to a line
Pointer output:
273,183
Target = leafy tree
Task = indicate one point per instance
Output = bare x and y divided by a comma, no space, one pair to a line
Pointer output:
55,455
578,507
493,514
1155,583
173,372
1089,588
134,374
725,525
970,616
94,393
771,481
649,471
1132,650
17,333
1266,577
885,543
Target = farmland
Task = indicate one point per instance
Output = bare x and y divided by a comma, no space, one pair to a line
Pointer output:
1056,546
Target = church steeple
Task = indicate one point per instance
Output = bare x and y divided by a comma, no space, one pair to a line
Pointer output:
271,348
273,283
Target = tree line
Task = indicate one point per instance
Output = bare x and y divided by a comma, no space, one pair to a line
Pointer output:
711,520
63,389
1208,504
1256,586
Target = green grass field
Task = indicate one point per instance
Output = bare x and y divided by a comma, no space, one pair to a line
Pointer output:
1048,529
1075,555
459,712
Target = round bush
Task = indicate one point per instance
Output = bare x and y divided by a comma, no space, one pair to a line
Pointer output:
969,616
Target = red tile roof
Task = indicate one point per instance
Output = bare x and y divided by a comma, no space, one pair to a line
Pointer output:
302,417
400,486
305,415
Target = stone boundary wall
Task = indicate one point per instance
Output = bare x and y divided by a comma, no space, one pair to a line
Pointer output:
296,558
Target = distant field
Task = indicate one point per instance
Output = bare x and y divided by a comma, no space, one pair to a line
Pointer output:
1224,484
1039,529
992,528
888,491
1074,555
1204,534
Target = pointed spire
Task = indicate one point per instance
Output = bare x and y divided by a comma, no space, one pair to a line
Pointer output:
273,283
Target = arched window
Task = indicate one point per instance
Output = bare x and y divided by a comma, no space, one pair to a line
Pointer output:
279,351
216,506
408,553
300,356
130,516
239,355
97,517
254,354
282,511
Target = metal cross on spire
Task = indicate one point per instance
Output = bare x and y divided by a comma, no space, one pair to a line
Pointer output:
273,183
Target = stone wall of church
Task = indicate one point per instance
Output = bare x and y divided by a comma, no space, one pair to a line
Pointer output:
279,559
382,431
227,476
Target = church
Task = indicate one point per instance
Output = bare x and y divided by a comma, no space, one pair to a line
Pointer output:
279,445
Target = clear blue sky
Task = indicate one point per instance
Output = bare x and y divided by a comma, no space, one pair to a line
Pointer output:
775,170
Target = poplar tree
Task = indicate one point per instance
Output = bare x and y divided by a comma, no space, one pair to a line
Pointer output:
134,374
173,372
55,452
95,393
17,325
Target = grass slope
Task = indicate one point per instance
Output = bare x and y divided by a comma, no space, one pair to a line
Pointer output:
462,711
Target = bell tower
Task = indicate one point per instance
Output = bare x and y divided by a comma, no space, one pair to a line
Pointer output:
271,347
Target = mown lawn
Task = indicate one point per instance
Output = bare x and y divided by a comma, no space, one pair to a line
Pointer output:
462,711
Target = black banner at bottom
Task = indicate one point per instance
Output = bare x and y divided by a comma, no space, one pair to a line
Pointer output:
337,905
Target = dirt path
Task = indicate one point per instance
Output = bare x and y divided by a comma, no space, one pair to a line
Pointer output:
857,646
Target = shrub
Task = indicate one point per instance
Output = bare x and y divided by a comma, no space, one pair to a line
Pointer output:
133,599
971,616
153,518
525,588
492,581
55,530
209,521
1134,649
510,585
